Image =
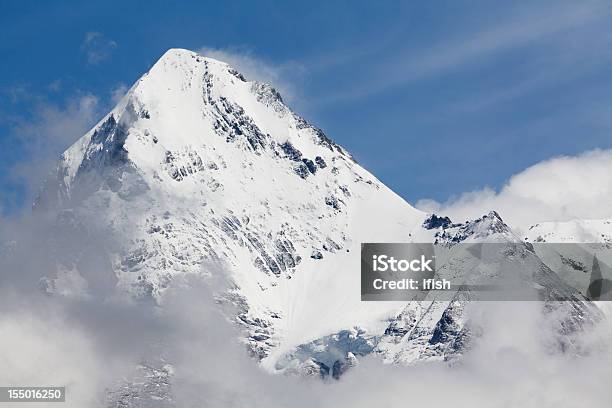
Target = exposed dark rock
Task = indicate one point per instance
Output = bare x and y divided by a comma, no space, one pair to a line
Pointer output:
233,122
320,162
301,170
576,265
434,222
330,245
237,74
112,137
310,165
345,190
291,152
447,328
333,202
316,254
341,366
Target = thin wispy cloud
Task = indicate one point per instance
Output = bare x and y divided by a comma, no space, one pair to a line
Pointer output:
43,133
97,47
566,40
282,76
553,29
118,92
55,86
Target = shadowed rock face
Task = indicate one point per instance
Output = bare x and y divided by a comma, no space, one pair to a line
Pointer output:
434,222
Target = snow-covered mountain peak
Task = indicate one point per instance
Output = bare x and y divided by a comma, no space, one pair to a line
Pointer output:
196,166
171,107
488,228
175,56
197,169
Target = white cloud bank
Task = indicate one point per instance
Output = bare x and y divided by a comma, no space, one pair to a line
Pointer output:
560,189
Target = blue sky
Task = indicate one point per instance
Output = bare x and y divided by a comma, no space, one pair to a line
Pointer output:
435,98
